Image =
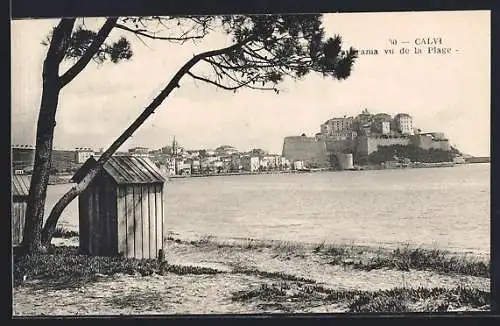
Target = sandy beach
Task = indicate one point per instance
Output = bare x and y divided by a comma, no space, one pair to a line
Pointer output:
232,276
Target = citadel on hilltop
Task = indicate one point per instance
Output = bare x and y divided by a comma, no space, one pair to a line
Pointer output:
344,141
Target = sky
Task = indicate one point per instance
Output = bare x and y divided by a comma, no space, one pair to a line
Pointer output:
449,93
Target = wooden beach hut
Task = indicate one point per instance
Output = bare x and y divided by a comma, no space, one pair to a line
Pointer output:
122,212
20,192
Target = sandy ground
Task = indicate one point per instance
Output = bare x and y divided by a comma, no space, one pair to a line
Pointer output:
203,294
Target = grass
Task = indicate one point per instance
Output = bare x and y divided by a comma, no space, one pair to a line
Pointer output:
361,257
273,275
61,232
137,300
429,259
64,267
394,300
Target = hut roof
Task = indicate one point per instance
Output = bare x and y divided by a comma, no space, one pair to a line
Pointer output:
20,184
125,170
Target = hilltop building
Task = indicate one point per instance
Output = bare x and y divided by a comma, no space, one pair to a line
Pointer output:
359,137
404,123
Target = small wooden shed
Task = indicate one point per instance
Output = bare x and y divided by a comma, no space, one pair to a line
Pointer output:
20,192
122,212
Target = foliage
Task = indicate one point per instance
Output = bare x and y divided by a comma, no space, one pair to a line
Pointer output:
412,152
290,296
65,266
272,47
61,232
405,258
81,40
363,258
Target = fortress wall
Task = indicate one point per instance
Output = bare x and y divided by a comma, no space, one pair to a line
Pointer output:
306,149
442,144
368,145
340,146
426,142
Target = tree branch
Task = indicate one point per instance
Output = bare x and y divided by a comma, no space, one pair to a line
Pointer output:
154,37
58,208
206,80
101,36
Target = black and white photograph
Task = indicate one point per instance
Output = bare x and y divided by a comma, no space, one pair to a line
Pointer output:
236,164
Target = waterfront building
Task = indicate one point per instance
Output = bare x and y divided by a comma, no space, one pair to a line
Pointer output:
82,154
264,164
235,163
250,163
298,165
195,166
285,163
218,166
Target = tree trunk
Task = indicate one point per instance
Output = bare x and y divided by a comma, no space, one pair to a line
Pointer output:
40,178
32,243
50,225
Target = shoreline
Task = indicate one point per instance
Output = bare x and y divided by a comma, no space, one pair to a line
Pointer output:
215,275
66,179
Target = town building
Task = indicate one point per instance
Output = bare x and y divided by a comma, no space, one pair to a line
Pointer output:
236,162
170,166
82,154
298,165
250,163
139,151
225,150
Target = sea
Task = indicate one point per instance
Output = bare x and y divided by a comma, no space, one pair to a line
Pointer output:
445,208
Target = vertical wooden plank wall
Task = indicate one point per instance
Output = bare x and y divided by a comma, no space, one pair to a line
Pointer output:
22,220
113,198
83,221
159,217
107,215
121,215
90,204
145,221
153,252
19,213
127,220
164,226
16,223
94,224
129,205
103,208
138,222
